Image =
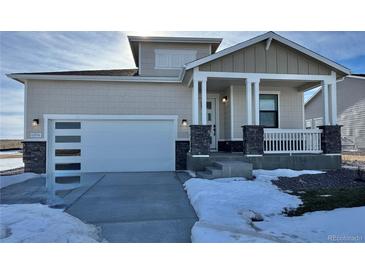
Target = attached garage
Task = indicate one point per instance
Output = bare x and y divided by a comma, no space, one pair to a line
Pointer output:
91,143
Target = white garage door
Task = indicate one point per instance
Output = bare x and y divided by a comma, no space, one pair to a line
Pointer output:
112,145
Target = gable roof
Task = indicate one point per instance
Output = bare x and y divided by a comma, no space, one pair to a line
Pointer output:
263,37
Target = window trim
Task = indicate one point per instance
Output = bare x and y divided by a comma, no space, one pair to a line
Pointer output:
273,92
173,52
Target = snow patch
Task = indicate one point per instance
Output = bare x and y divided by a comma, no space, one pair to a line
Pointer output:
11,163
36,223
226,208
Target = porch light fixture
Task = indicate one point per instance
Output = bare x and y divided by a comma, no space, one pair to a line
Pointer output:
184,122
35,122
225,99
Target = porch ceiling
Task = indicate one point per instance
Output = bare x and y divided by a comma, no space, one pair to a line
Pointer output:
219,84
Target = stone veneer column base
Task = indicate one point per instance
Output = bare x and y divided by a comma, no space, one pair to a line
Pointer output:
253,140
34,156
331,139
200,139
181,150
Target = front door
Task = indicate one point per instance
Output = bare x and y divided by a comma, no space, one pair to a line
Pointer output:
211,120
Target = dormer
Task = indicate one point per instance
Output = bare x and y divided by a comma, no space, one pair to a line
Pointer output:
166,56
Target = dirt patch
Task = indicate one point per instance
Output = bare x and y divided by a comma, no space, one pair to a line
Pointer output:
327,191
354,159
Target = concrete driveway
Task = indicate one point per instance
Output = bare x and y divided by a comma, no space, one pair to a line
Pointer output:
138,207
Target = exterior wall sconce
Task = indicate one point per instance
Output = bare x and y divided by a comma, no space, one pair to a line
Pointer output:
35,122
225,99
184,122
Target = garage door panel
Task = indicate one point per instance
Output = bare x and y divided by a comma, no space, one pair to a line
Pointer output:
113,145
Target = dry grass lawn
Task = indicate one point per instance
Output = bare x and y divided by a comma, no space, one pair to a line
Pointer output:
10,144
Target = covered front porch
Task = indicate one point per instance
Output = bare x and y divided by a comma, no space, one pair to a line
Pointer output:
258,114
259,119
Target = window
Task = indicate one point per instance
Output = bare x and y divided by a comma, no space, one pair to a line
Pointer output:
68,125
308,124
68,139
269,110
173,59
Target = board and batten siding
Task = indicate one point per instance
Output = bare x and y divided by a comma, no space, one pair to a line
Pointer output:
350,109
147,57
106,98
278,59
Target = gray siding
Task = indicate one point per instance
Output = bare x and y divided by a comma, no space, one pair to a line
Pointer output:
278,59
108,98
147,57
350,109
291,113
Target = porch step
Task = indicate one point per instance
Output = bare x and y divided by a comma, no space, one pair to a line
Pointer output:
227,169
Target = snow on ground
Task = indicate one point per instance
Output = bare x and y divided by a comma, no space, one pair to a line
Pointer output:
11,163
225,208
36,223
16,179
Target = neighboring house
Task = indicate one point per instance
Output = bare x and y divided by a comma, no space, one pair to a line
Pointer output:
350,111
185,102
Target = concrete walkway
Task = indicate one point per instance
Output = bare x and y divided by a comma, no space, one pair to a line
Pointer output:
138,207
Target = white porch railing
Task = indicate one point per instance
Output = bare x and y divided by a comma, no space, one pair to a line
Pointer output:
292,141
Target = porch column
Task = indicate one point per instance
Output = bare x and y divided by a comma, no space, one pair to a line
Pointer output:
195,103
249,101
257,102
333,96
326,121
204,102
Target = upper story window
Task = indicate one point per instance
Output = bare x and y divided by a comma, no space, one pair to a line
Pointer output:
173,59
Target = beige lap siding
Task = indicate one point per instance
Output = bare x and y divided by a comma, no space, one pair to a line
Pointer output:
290,107
106,98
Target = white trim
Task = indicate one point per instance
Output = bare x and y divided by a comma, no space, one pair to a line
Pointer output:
333,90
182,139
147,79
203,40
256,91
200,75
268,43
303,112
248,102
195,103
200,156
204,102
356,77
263,37
325,103
139,59
232,110
25,108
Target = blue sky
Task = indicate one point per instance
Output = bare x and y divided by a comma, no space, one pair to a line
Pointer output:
54,51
